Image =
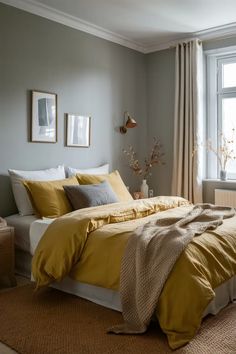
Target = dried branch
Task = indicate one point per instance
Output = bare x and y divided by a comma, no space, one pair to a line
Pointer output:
154,158
226,150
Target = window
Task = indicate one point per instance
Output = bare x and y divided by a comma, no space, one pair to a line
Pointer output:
221,108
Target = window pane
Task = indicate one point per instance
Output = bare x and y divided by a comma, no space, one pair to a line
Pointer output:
229,75
228,124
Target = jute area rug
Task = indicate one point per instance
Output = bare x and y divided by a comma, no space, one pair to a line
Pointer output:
52,322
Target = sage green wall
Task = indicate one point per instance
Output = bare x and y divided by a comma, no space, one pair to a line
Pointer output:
160,103
90,75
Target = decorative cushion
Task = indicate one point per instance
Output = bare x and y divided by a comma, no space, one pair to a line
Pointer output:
90,195
115,181
70,171
48,198
21,196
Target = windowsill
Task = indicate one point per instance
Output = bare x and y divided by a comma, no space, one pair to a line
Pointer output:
214,180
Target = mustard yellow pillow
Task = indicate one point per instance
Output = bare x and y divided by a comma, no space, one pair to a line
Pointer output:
115,181
48,197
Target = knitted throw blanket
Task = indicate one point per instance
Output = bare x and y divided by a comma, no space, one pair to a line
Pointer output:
149,257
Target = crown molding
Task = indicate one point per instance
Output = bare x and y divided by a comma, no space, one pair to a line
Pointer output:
224,31
219,32
160,46
50,13
36,8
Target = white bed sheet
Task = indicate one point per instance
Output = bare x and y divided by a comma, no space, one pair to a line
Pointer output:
21,225
225,293
37,229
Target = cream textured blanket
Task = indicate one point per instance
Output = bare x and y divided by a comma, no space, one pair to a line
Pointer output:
149,257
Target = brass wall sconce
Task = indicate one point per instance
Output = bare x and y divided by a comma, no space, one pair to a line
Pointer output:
129,122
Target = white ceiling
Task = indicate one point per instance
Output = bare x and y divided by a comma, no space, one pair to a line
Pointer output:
145,23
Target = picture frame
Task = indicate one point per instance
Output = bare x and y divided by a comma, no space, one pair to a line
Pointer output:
43,117
78,130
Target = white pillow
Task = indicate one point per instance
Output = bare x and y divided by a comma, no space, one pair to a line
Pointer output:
101,170
21,197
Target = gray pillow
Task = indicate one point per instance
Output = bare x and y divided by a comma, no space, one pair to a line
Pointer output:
84,196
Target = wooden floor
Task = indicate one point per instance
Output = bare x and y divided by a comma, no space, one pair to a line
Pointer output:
4,287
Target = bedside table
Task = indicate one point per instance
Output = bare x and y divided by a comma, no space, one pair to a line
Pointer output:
7,254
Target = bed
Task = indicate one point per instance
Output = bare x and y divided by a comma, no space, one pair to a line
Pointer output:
96,290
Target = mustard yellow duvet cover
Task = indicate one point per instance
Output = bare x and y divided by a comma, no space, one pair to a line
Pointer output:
88,246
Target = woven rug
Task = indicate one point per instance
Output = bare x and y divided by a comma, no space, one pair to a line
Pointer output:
52,322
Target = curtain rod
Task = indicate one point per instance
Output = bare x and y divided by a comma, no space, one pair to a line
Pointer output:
184,42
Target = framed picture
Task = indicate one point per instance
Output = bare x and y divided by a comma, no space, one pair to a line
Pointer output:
78,130
44,117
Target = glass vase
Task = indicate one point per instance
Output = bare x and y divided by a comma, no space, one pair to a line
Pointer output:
223,175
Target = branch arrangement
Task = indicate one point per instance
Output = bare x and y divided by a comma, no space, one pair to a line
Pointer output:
154,158
226,150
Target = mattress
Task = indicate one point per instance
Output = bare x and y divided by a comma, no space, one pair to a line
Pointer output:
21,225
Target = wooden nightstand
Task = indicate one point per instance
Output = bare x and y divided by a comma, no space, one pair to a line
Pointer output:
7,254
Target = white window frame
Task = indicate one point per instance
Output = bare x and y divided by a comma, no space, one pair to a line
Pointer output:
214,60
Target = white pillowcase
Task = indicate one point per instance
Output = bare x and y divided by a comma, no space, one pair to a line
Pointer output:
21,197
101,170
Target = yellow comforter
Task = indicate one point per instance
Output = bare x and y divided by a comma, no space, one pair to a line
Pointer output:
88,245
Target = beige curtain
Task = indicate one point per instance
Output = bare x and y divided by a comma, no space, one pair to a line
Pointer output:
188,122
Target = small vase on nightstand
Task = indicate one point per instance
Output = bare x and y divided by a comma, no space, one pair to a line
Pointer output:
144,189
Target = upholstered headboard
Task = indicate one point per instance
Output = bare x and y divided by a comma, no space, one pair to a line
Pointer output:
7,202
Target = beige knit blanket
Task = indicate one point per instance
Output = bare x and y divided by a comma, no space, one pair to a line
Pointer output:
149,257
